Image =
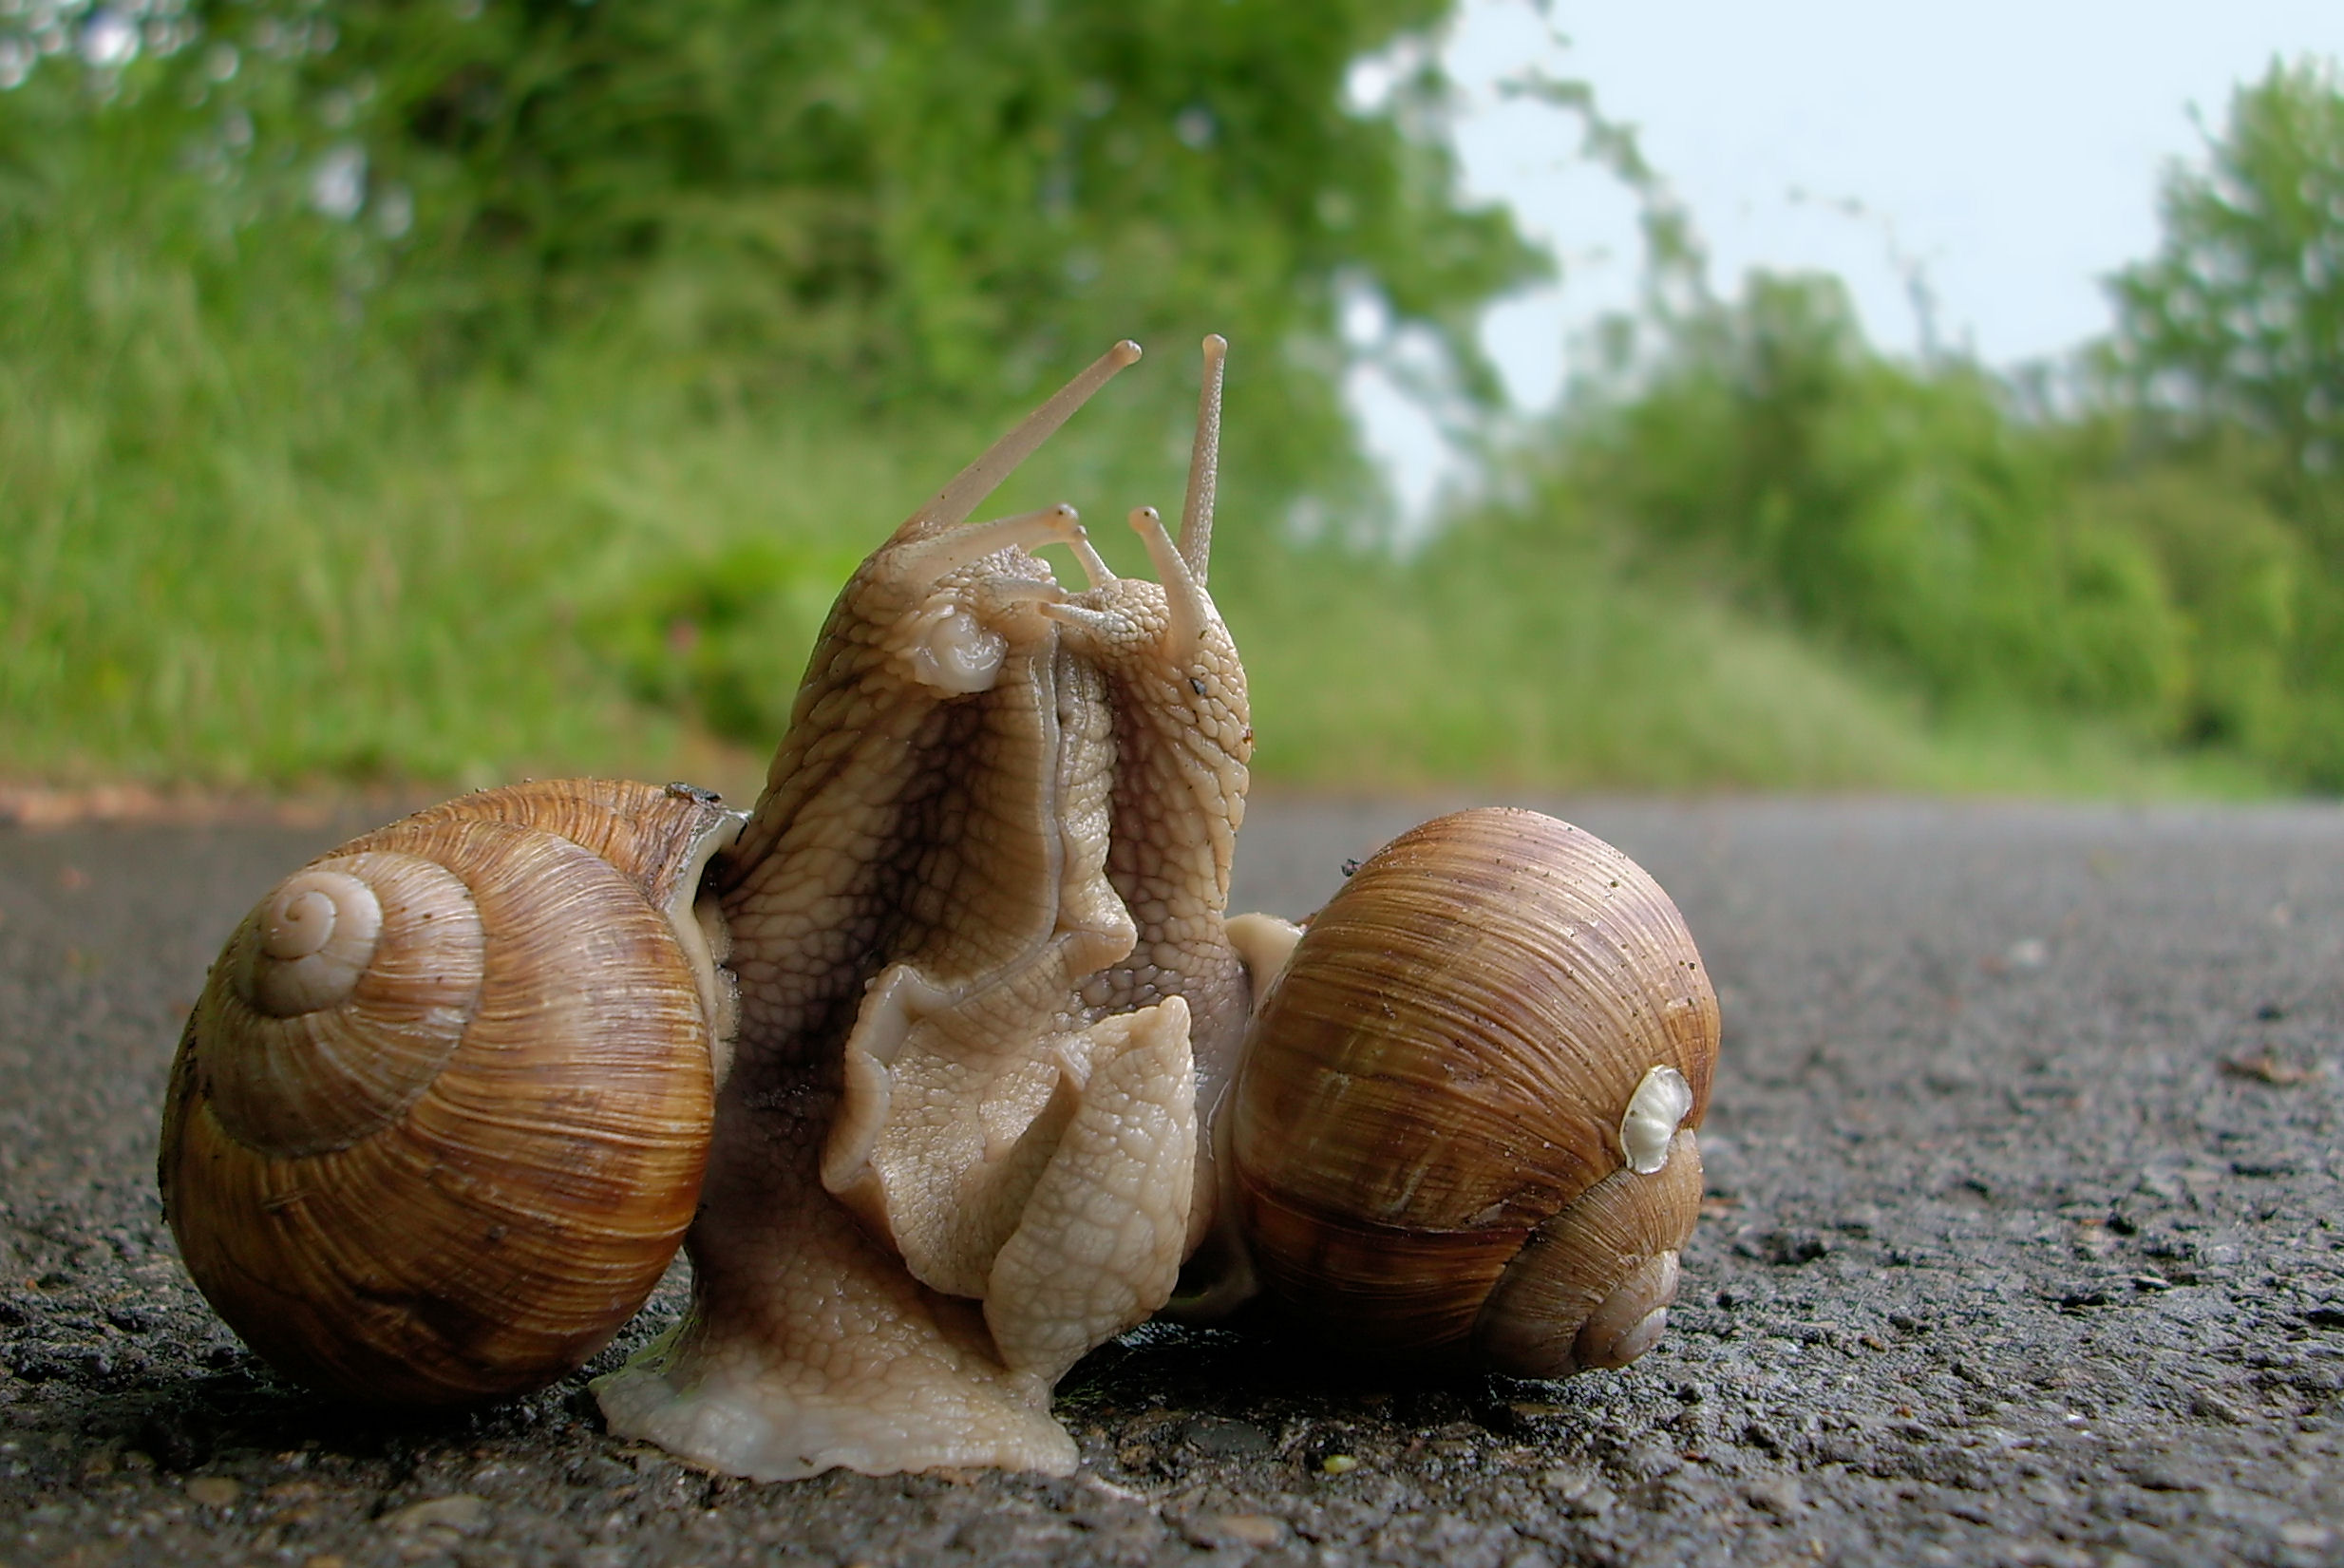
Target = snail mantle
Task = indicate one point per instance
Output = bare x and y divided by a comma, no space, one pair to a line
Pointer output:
944,1062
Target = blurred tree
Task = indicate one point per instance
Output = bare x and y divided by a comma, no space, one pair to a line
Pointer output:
2230,341
956,196
2238,319
1903,511
906,203
271,270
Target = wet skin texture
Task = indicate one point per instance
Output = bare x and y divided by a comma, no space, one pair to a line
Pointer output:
2025,1245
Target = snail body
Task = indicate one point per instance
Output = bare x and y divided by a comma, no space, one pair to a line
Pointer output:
946,1168
438,1121
950,1043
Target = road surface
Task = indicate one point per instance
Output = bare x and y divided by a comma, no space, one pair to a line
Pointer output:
2025,1246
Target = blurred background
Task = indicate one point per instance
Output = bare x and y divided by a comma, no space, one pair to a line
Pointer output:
440,391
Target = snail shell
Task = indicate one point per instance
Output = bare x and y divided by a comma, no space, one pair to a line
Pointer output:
1463,1127
438,1121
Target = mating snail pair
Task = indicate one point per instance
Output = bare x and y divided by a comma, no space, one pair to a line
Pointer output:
945,1055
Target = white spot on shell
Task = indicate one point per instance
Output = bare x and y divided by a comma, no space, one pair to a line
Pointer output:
1658,1107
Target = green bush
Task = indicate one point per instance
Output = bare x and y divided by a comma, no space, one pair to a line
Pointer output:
1917,518
2235,578
616,321
539,437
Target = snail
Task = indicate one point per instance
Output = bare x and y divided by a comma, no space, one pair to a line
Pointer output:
407,1157
1462,1128
963,1060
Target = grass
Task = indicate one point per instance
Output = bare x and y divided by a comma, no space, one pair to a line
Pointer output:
1560,670
258,550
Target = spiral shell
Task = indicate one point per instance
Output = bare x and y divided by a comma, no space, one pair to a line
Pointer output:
1462,1127
438,1121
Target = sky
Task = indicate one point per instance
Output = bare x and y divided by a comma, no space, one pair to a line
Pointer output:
2009,149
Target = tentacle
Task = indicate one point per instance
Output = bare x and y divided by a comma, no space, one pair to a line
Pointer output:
928,559
953,505
1094,565
1203,464
1108,624
1183,592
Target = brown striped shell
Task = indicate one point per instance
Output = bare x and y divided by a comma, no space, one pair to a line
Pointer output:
438,1121
1463,1125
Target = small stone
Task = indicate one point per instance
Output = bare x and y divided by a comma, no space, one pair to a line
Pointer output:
2265,1067
1113,1492
1776,1495
1226,1439
1792,1247
2163,1476
213,1491
1580,1491
1212,1531
2209,1406
464,1512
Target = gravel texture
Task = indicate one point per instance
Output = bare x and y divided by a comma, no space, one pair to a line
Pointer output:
2024,1246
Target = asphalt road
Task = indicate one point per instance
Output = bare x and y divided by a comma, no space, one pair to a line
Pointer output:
2024,1247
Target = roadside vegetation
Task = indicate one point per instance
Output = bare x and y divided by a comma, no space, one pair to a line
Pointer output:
445,393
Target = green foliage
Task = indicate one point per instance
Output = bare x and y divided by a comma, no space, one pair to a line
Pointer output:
1902,511
177,384
1498,658
391,390
2238,319
2235,578
913,198
2165,559
439,389
698,636
2230,344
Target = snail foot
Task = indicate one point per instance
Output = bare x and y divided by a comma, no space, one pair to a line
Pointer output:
736,1422
808,1345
